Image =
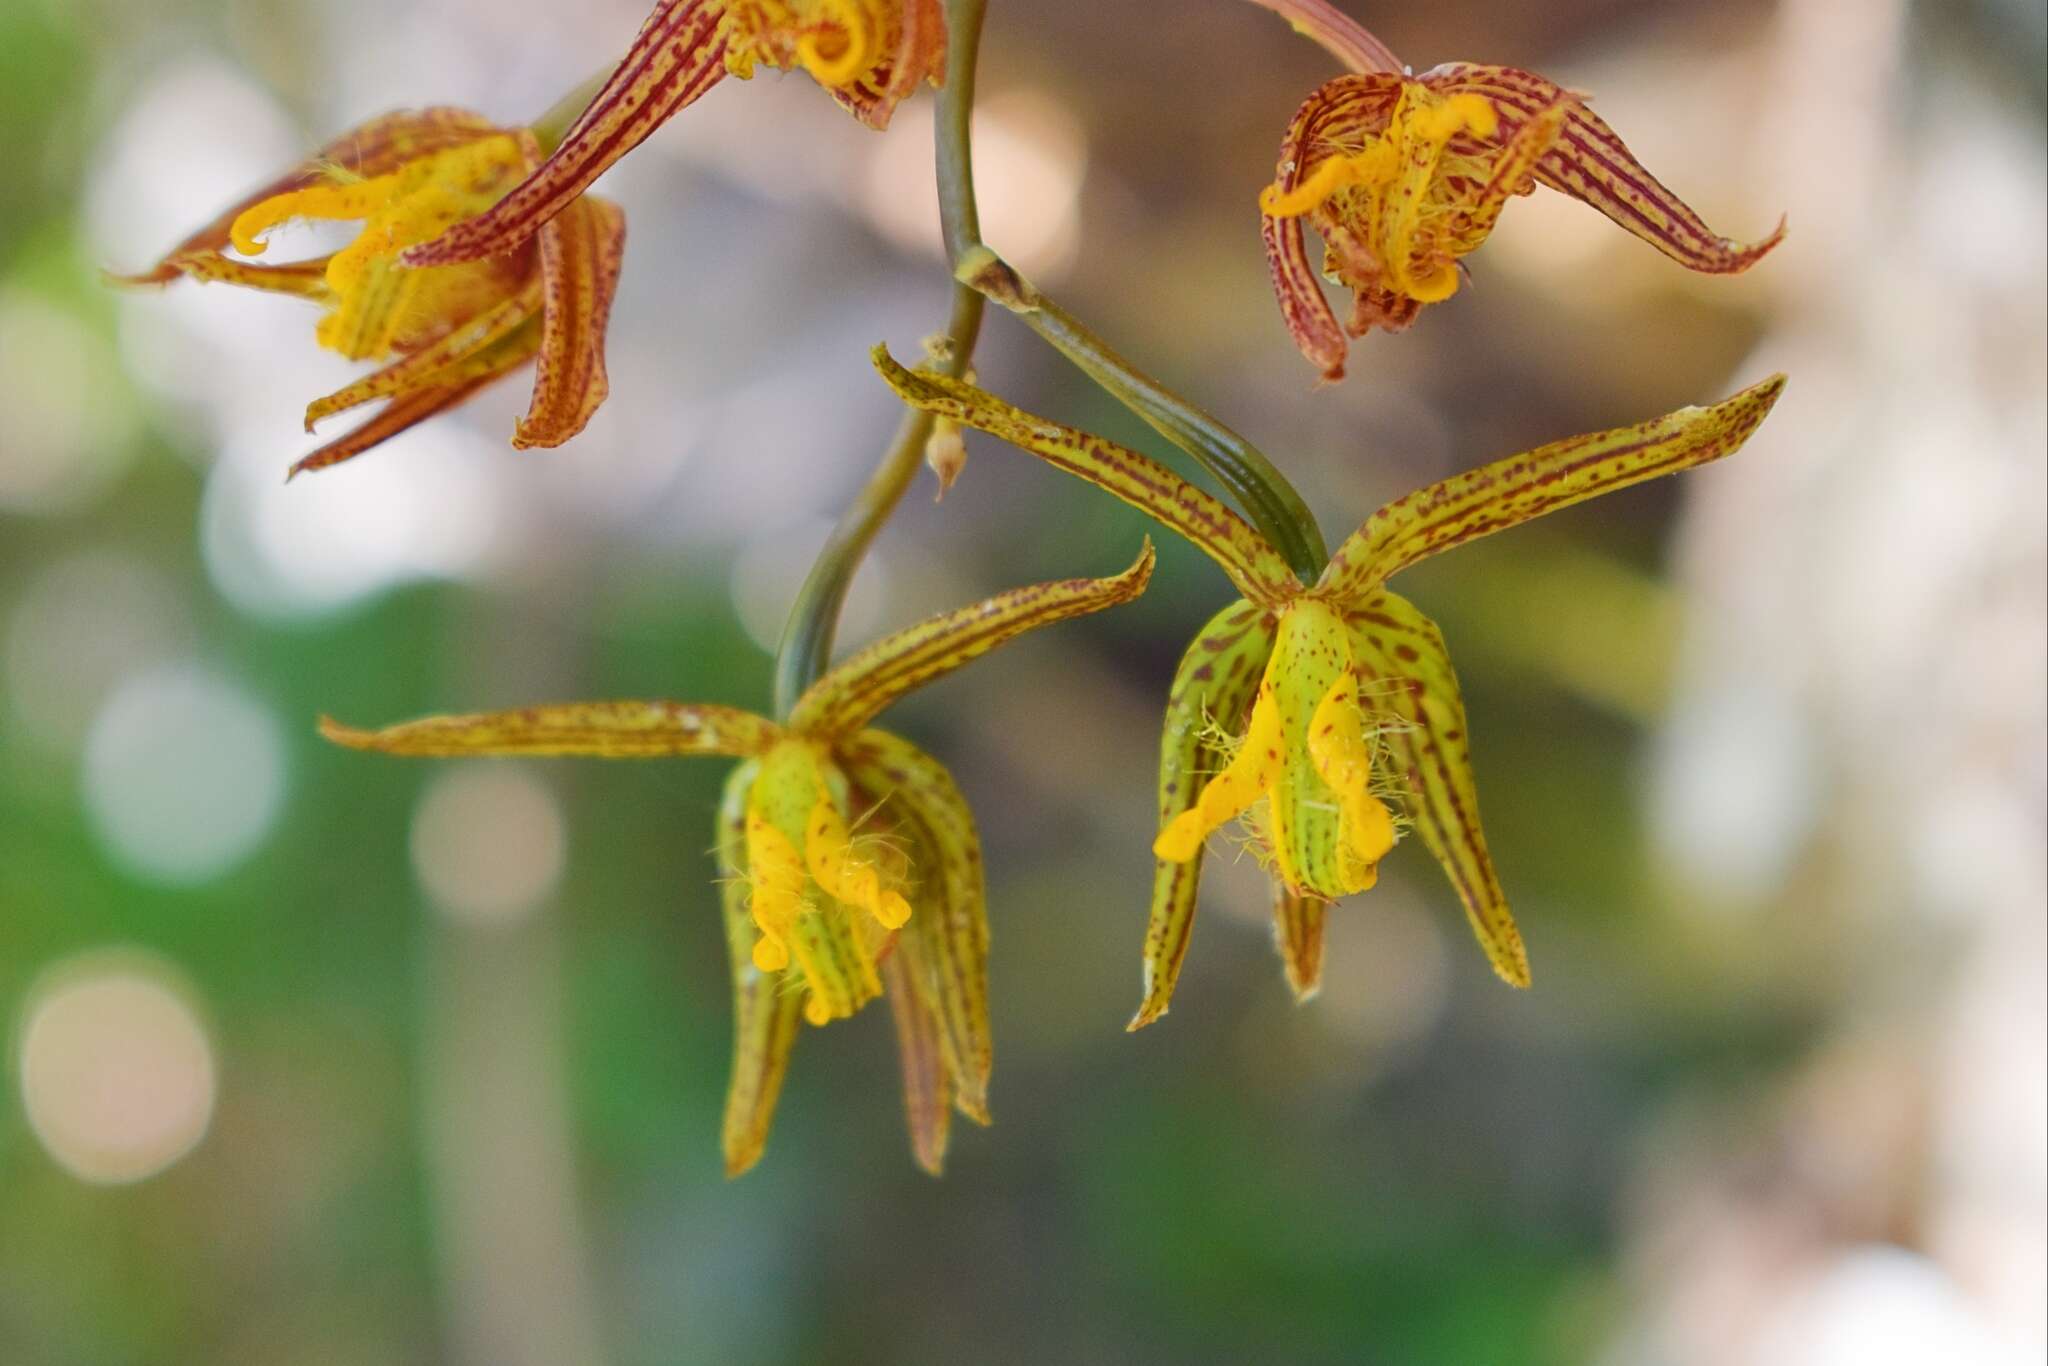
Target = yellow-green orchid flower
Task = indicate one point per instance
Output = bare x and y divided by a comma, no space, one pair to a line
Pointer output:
447,331
1403,176
1329,714
850,861
870,54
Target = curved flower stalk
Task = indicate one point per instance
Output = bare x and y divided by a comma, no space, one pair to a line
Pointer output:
446,332
850,861
1328,715
1404,176
870,54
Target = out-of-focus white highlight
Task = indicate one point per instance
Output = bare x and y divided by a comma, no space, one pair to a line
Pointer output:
66,431
771,568
81,626
184,775
334,537
1030,159
117,1073
488,842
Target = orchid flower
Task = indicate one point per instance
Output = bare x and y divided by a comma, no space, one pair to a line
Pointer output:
850,862
1403,176
870,54
1328,715
447,331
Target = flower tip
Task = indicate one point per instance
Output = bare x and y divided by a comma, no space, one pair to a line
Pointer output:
740,1160
974,1104
1147,1014
348,737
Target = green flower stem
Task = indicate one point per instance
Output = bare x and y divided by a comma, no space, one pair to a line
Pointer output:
1264,494
806,648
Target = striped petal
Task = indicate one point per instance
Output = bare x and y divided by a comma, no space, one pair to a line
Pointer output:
945,944
373,149
439,365
678,55
605,730
1253,565
927,1086
1211,692
1403,657
302,279
1303,305
1336,32
1509,492
920,56
581,250
1298,935
858,690
410,409
766,1007
1591,164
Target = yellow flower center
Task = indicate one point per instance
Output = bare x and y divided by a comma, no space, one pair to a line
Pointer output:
1400,193
381,306
819,899
841,43
1307,751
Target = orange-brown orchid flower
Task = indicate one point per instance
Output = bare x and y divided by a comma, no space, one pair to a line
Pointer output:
1403,176
1328,715
445,331
870,54
850,861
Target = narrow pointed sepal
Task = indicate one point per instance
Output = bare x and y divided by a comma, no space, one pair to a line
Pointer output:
945,943
767,1008
1409,674
678,55
610,730
1253,565
1589,162
482,349
1298,937
1336,32
1212,690
927,1088
858,690
411,408
581,251
1522,487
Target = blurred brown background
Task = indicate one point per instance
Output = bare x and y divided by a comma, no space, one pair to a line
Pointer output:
322,1059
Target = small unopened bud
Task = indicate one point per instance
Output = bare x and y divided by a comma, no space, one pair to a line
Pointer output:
946,452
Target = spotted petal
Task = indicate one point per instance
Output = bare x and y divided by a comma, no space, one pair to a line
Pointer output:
678,55
1591,164
1253,565
608,730
1211,692
858,690
1409,674
766,1007
581,250
1509,492
945,943
407,410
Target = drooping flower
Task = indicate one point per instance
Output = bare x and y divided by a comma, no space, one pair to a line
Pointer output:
446,331
870,54
1328,716
850,861
1404,176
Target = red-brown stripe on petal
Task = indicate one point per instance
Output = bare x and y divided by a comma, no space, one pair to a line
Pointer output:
581,251
401,414
420,369
372,149
1298,935
678,55
1590,162
1336,32
927,1090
